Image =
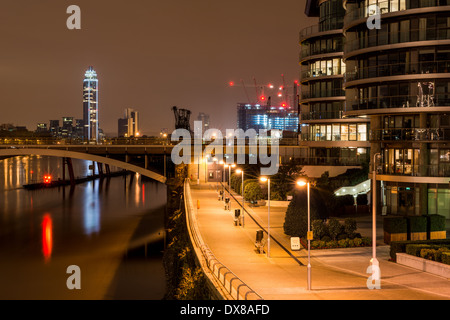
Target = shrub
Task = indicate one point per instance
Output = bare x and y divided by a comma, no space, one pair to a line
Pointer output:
334,228
417,224
253,192
351,243
445,257
436,222
343,243
427,253
332,244
395,225
349,225
400,246
296,219
342,236
319,229
414,249
315,244
439,252
357,242
366,241
326,239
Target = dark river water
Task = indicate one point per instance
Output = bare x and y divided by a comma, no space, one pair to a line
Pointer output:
112,229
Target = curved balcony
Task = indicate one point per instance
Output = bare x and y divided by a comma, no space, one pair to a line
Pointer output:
318,115
410,134
441,170
407,38
387,70
336,94
399,103
318,31
308,75
390,6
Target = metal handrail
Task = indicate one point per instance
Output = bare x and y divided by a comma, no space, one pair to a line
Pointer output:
207,254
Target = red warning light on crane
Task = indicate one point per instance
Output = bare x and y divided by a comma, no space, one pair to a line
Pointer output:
262,98
231,83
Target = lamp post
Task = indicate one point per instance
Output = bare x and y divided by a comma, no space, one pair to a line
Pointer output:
229,179
242,192
302,183
374,261
264,179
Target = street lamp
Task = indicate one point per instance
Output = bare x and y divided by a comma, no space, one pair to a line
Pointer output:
229,177
264,179
303,183
240,171
374,261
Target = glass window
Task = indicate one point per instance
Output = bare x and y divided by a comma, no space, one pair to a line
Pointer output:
344,132
404,30
393,29
336,132
362,132
352,132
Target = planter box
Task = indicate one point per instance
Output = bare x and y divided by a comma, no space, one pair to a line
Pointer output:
438,235
389,237
437,268
418,236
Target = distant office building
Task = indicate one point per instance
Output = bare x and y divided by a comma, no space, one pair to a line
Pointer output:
90,105
41,127
256,116
204,118
67,127
54,127
79,128
129,125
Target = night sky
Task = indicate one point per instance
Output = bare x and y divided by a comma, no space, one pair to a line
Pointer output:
149,55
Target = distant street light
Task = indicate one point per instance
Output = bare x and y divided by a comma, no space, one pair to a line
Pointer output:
264,179
374,261
240,171
303,183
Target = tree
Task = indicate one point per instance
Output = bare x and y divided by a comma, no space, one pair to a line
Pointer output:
284,180
296,219
253,192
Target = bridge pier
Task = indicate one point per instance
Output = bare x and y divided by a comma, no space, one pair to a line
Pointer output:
68,162
100,169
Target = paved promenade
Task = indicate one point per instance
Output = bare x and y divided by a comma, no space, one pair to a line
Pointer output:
336,273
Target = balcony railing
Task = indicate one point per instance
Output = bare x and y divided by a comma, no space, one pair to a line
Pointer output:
323,94
406,169
323,72
317,115
390,6
410,134
310,50
384,38
400,101
334,161
387,70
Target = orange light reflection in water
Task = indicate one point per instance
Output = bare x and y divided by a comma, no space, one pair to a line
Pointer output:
47,237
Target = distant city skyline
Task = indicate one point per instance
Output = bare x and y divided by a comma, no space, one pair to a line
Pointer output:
148,55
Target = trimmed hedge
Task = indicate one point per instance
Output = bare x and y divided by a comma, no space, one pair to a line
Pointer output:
417,224
400,246
436,222
395,225
446,257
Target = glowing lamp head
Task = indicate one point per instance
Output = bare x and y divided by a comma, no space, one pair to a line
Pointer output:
263,179
47,178
301,183
239,171
233,165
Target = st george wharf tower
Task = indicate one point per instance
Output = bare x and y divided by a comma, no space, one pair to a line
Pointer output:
90,105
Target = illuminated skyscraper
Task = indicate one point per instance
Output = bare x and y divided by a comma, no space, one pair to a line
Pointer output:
90,105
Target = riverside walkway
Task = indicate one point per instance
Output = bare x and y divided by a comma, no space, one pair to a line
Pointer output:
336,273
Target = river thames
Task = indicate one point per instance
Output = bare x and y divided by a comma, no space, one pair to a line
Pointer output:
111,228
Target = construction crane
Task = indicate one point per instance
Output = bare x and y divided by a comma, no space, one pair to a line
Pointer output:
182,117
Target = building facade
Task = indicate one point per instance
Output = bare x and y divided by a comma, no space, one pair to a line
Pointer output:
397,76
90,105
129,125
329,137
261,117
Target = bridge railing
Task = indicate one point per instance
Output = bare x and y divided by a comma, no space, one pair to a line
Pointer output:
225,281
